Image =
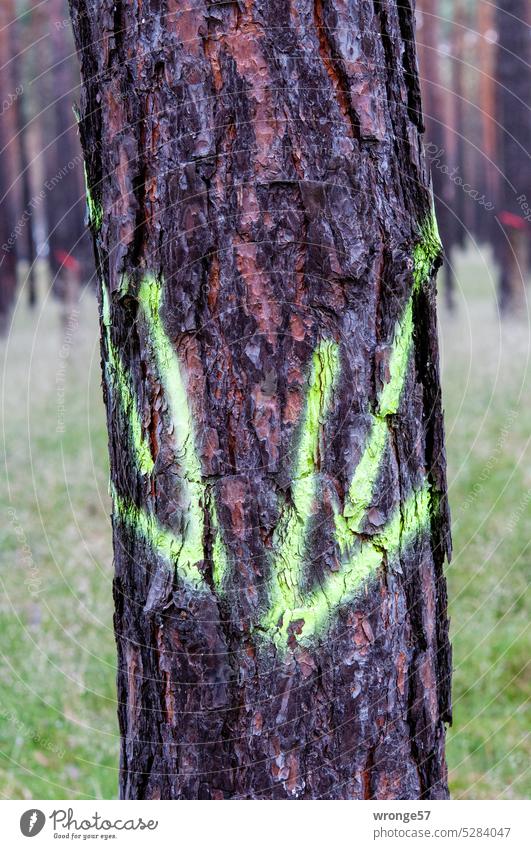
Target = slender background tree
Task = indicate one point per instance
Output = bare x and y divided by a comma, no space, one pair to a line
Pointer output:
26,247
513,74
68,244
9,167
439,108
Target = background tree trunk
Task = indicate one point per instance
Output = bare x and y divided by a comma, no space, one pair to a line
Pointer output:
488,159
26,246
266,245
9,168
439,105
462,214
69,245
513,76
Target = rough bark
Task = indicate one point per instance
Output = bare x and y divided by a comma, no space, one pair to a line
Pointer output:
266,248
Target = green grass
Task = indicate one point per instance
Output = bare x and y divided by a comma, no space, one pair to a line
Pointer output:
58,730
487,386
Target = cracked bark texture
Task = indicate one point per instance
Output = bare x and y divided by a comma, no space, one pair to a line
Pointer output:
263,160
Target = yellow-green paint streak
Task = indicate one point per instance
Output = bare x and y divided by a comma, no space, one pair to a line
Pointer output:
409,520
361,489
290,607
120,388
390,395
290,537
168,546
314,615
169,370
427,250
192,494
220,558
186,550
95,210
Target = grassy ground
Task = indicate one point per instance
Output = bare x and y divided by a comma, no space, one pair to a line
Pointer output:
58,734
58,731
487,385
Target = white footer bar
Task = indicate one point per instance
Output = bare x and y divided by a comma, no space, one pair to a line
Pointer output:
266,825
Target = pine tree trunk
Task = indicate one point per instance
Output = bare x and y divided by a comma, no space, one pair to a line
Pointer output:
69,246
513,74
9,193
438,103
463,214
489,176
266,248
27,249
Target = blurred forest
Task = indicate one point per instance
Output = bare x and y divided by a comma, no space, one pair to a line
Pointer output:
58,733
474,59
41,167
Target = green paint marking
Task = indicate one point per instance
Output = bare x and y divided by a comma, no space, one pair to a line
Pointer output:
315,614
166,544
361,489
169,371
95,210
289,607
290,538
426,251
220,558
389,399
119,385
150,299
356,569
186,550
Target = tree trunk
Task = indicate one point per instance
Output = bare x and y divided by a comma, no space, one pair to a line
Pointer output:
9,196
488,158
266,246
69,245
438,102
514,81
463,213
27,248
